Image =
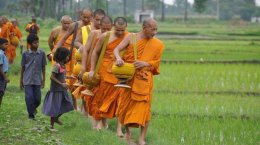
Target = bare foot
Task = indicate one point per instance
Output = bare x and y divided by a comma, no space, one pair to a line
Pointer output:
141,142
128,137
119,133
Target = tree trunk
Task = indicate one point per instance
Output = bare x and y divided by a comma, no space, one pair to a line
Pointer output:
124,3
186,11
163,11
142,5
43,8
107,6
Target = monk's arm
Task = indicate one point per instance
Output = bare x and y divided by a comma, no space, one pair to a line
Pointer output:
96,52
122,46
78,40
155,62
51,40
65,37
85,52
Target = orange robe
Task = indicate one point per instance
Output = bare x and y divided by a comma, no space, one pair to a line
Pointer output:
6,31
135,103
17,32
89,99
105,101
70,64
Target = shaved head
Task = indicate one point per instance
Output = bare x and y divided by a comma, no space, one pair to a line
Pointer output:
99,12
86,16
106,20
106,24
149,21
120,21
149,28
4,19
86,10
65,22
66,17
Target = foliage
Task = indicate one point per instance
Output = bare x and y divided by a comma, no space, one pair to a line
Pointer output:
199,5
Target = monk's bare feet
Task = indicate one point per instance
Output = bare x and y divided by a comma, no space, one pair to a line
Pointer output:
119,133
141,142
128,137
99,125
104,123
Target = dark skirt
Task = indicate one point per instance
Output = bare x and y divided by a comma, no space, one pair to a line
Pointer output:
56,103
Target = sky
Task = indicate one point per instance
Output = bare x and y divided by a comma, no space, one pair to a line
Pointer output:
191,1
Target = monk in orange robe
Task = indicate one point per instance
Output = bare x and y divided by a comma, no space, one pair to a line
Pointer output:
55,36
135,103
32,28
17,33
7,31
107,94
106,25
80,43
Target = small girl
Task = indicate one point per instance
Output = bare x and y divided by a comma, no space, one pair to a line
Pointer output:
57,101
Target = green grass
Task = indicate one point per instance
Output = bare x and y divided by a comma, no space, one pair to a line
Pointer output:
192,103
211,50
208,78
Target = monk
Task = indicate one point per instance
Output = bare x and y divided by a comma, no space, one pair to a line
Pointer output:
135,103
32,28
7,31
80,42
17,33
54,37
85,19
108,94
106,25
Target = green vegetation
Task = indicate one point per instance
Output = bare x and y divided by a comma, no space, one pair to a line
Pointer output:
206,103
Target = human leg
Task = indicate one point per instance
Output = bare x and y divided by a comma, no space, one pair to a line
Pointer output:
143,134
29,100
119,132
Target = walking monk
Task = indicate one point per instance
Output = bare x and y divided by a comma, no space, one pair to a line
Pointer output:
106,25
17,33
80,42
135,103
108,94
85,16
55,36
7,32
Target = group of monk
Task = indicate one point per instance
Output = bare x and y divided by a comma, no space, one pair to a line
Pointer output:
10,31
100,42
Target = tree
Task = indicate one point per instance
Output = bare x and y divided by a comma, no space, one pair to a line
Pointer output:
199,5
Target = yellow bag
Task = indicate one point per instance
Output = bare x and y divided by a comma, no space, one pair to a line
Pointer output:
15,41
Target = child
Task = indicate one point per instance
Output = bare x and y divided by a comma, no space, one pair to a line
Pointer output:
33,74
57,100
3,67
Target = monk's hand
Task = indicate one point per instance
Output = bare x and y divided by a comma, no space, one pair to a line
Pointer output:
80,75
119,62
81,48
91,75
140,64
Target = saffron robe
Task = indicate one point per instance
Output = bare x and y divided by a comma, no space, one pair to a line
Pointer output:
135,103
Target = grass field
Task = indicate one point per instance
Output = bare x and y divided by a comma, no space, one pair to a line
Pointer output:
205,103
